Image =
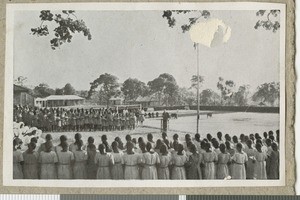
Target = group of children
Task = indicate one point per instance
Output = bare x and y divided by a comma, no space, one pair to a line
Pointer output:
60,119
247,157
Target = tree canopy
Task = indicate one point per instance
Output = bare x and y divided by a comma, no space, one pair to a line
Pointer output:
267,93
132,88
68,24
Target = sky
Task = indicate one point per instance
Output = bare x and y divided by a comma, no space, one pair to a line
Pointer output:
140,44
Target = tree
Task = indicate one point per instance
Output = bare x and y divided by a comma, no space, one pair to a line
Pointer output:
226,90
43,90
133,88
170,15
59,91
68,24
68,89
240,97
20,80
267,93
271,20
108,87
186,97
194,81
166,87
208,97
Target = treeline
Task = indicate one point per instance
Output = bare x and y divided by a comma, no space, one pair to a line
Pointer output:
165,90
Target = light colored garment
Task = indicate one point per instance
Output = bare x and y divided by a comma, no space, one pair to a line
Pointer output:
163,171
31,162
178,171
222,167
79,168
73,147
117,169
104,161
149,160
209,159
64,169
193,169
260,166
17,168
131,162
48,168
238,168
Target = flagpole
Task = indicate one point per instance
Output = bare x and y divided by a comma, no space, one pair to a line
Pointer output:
198,85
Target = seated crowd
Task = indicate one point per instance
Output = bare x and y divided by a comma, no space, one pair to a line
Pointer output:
246,157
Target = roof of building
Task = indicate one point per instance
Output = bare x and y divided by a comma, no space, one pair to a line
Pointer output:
19,88
116,98
146,99
63,97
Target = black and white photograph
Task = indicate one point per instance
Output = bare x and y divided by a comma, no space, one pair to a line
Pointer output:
145,95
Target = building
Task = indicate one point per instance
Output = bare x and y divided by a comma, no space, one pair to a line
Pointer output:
23,96
116,101
147,101
59,101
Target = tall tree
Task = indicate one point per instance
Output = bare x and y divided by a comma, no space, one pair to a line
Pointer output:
194,81
68,89
133,88
43,90
20,80
186,97
68,25
267,93
208,97
166,87
108,87
240,97
226,90
59,91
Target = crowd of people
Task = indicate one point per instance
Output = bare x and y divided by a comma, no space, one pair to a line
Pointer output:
79,119
224,157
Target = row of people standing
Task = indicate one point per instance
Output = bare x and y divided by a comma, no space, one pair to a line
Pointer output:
60,119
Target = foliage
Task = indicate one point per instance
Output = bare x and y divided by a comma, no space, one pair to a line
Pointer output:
186,97
170,15
133,88
194,81
68,24
208,97
270,22
240,98
59,91
20,80
267,93
69,90
226,89
43,90
166,87
108,87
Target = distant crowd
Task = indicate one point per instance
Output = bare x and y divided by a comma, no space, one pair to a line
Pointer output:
245,157
79,119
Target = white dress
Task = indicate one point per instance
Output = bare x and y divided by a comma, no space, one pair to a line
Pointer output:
64,169
47,161
131,162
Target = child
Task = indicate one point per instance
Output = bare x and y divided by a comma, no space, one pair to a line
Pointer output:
104,161
48,160
209,159
165,159
65,161
251,160
30,168
239,159
131,161
179,160
223,160
62,139
149,159
260,163
194,170
79,168
17,161
117,169
91,165
274,162
73,147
